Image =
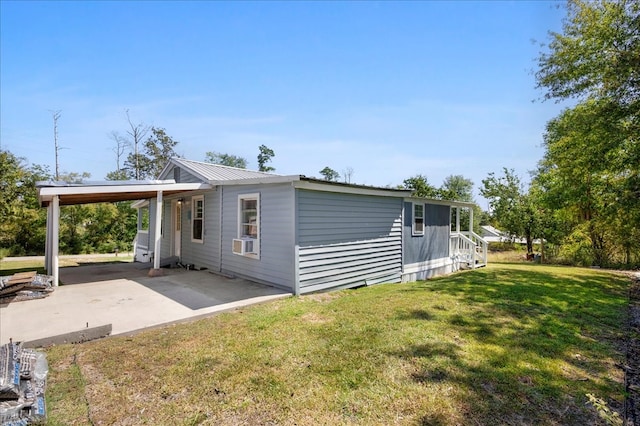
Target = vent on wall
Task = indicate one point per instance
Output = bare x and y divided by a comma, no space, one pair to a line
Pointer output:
244,246
176,174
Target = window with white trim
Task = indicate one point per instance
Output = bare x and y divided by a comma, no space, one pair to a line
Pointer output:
248,236
143,218
417,227
197,219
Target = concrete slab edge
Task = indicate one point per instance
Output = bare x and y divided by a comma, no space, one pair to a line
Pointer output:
227,307
79,336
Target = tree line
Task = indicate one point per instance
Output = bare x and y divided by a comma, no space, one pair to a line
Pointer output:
92,228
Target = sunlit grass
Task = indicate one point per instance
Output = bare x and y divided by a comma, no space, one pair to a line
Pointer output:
507,344
8,267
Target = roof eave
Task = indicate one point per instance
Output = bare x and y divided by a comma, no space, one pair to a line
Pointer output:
436,201
347,188
93,193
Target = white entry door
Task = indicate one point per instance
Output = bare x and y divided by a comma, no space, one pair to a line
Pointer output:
177,227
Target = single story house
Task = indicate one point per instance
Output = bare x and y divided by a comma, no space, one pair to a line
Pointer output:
293,232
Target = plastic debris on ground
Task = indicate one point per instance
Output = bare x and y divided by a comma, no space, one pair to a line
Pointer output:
23,380
25,286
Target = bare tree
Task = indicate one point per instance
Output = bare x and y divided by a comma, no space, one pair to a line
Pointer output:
56,116
137,132
347,174
121,145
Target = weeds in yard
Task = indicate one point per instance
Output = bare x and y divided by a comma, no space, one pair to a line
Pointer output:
610,417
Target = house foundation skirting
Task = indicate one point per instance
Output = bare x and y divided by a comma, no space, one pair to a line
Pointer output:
424,270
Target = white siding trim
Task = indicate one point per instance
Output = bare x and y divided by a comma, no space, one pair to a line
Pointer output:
344,189
193,216
241,198
427,265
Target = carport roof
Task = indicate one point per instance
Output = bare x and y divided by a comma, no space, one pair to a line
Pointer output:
110,191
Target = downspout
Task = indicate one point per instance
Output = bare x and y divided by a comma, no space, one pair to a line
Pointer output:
296,245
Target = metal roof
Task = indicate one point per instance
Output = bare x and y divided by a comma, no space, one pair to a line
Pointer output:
216,172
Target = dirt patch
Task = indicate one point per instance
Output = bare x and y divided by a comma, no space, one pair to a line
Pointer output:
632,368
314,318
322,297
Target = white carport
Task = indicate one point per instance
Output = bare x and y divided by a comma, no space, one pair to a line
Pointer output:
55,194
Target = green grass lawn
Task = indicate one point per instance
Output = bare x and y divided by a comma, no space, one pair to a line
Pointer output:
506,344
10,267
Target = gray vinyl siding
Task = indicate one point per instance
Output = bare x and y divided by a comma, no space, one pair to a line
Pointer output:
347,240
185,177
434,244
167,229
330,218
277,252
152,224
207,253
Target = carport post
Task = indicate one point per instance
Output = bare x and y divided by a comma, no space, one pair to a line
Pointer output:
47,242
157,237
55,223
473,257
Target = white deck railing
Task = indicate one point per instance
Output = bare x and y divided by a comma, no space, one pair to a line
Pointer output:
468,248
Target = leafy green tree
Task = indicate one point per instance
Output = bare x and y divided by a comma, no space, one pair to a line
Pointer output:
159,148
264,157
456,187
74,177
583,183
12,175
225,159
22,228
591,168
420,187
597,55
117,175
512,208
330,174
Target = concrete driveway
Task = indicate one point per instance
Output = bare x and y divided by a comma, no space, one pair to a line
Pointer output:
123,296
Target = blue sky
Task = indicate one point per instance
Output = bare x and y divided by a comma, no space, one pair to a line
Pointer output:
390,89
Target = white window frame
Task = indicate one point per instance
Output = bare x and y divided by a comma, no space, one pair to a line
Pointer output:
415,230
141,214
241,225
194,200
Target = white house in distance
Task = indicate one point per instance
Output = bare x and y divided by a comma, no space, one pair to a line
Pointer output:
293,232
494,235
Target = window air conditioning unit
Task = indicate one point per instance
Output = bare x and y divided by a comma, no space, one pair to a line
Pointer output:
244,246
